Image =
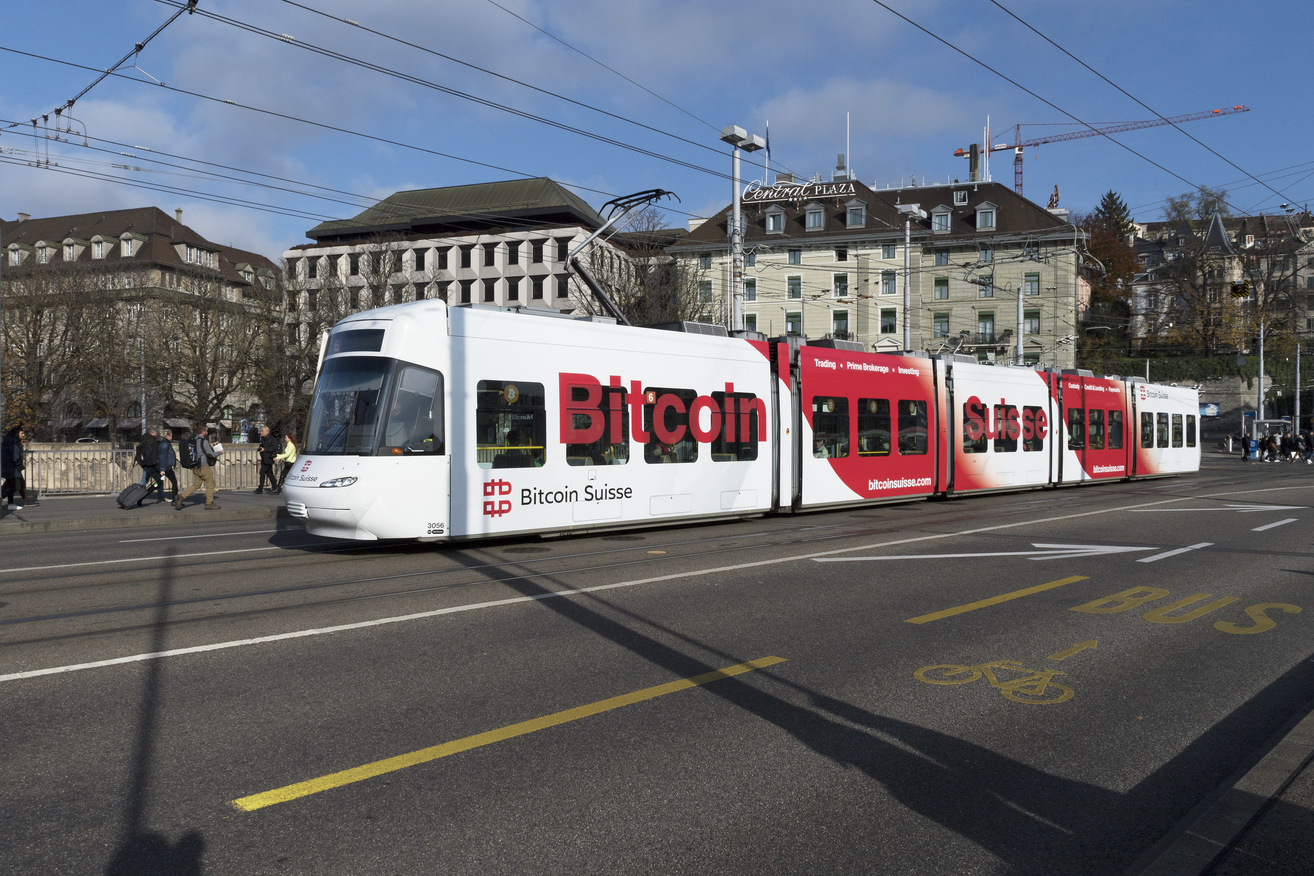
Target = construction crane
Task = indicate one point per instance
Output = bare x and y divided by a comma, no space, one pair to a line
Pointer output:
1019,144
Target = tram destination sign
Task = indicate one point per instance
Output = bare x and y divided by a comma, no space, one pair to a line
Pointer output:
757,192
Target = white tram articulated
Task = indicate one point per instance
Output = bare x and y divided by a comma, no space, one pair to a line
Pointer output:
438,423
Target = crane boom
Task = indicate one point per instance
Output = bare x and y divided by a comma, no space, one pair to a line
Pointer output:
1019,144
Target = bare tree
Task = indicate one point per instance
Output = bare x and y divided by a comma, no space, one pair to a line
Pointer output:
647,284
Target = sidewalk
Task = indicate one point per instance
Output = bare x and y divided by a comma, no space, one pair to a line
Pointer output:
1259,822
83,512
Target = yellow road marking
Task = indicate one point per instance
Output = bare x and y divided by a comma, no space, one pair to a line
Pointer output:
424,755
994,600
1075,649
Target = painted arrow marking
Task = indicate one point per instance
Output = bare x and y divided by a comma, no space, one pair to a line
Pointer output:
1244,509
1047,552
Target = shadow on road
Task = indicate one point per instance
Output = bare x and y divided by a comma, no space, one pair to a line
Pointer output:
142,852
1032,820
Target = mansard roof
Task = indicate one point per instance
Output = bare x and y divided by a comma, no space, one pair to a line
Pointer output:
507,205
1014,214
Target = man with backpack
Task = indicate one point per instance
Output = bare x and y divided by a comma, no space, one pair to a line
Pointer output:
202,457
148,457
167,460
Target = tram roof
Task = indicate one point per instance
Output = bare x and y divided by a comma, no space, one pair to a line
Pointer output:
509,203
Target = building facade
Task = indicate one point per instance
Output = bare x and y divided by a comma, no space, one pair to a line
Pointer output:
118,316
826,260
1208,290
500,243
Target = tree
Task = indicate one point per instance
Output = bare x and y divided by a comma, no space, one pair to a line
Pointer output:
1196,207
1112,213
648,285
1110,272
212,338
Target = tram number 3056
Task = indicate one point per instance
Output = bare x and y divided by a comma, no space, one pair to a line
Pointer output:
437,528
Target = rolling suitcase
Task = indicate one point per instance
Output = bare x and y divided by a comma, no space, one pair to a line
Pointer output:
134,493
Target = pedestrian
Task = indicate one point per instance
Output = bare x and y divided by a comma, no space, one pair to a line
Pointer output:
1308,435
11,468
268,450
167,460
148,457
203,475
1272,447
287,457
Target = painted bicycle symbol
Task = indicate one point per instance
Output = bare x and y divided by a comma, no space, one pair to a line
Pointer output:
1030,686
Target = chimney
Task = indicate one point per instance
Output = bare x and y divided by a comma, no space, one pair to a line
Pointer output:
23,217
974,163
178,214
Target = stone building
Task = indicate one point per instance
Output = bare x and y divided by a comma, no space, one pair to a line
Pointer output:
826,259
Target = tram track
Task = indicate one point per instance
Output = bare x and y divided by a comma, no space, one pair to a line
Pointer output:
484,567
495,572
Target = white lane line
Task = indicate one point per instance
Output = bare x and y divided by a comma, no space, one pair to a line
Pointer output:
1274,525
219,646
211,535
1167,554
142,559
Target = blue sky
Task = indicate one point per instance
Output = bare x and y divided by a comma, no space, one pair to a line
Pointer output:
698,66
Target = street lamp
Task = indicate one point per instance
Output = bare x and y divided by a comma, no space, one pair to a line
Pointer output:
738,138
908,211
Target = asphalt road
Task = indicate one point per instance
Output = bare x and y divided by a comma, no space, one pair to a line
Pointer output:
814,694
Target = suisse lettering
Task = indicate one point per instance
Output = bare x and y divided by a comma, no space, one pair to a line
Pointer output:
1001,421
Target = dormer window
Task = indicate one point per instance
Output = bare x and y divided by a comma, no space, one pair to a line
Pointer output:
855,214
15,258
985,217
98,249
128,246
816,217
940,219
70,252
960,198
775,220
43,255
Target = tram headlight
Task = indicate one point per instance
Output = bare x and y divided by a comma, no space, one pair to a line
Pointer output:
338,482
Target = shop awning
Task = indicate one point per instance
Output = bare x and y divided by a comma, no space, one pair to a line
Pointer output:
97,424
178,423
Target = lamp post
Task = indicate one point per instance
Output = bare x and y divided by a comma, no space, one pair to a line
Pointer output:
908,211
738,138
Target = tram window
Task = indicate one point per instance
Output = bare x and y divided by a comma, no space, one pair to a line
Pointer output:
1095,429
510,424
874,427
669,438
913,439
1161,429
1190,430
415,417
1076,430
356,341
1007,428
1115,430
974,428
615,415
1033,428
830,427
1147,429
1177,430
737,440
345,416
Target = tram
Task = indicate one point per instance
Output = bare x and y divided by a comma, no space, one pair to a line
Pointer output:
443,423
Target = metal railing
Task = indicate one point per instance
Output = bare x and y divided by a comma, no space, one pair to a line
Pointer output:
54,472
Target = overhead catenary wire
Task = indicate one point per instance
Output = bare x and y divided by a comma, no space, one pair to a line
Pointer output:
329,127
580,52
491,104
513,80
1139,101
1023,88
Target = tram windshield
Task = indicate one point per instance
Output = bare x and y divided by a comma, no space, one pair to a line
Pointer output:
370,405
